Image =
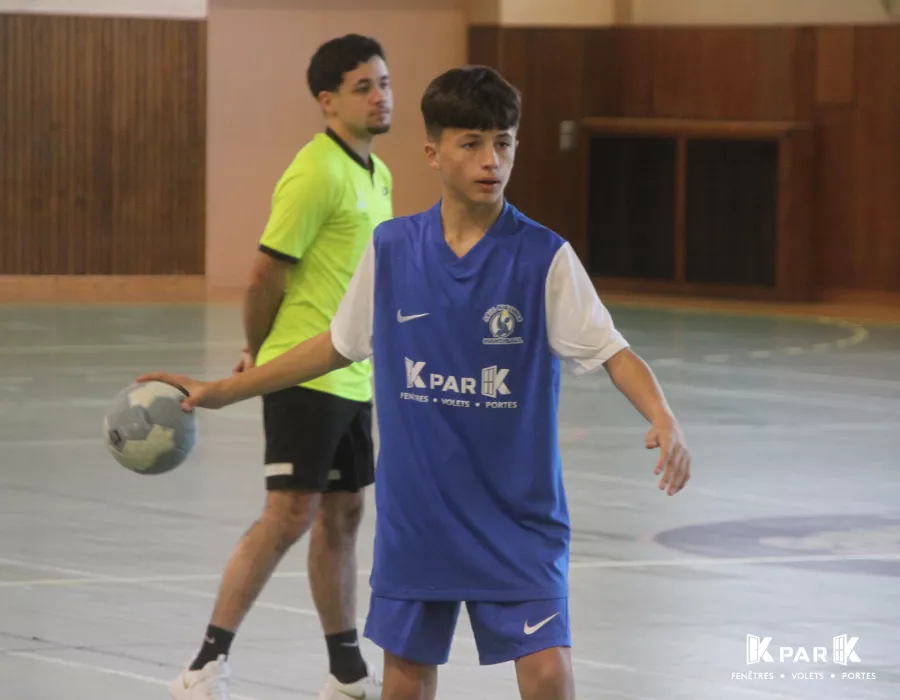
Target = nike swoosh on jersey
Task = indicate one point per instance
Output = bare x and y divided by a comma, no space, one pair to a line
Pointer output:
403,319
535,628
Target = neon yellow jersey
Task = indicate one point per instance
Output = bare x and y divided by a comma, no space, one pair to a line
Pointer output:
324,209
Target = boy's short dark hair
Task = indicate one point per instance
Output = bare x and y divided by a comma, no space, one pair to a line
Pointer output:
471,97
338,56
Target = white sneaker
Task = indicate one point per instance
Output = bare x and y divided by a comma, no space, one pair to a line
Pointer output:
209,683
367,688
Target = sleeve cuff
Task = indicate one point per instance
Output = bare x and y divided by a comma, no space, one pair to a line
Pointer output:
277,254
343,348
584,366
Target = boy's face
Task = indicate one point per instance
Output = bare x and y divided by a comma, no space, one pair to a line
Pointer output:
364,102
474,165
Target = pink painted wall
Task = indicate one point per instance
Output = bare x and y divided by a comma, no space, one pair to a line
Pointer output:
261,113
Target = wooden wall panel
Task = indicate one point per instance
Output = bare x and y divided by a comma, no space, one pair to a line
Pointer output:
103,136
712,75
540,62
836,197
618,77
842,80
874,241
740,73
513,47
835,65
483,45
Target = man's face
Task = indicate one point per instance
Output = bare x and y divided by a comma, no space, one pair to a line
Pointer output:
474,165
364,102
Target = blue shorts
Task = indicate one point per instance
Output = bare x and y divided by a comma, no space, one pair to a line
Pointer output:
422,631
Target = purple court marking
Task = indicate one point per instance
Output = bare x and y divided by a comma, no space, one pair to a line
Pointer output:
794,537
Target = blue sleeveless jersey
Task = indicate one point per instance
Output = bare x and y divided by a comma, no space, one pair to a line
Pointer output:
470,503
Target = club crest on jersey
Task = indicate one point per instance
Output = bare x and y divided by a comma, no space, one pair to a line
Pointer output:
502,320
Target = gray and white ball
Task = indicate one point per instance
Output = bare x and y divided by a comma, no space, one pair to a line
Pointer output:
146,429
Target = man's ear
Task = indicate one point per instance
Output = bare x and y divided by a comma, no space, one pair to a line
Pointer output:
326,102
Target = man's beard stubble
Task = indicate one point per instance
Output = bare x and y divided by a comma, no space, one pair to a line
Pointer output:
378,130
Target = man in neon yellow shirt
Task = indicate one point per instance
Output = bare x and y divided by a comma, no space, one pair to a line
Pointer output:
319,452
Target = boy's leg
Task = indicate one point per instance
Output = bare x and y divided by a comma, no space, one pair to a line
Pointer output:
546,675
408,680
534,634
416,637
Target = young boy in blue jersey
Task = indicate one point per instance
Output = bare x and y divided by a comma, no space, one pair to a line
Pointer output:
470,311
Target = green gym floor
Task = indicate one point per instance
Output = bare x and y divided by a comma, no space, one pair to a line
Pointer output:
789,529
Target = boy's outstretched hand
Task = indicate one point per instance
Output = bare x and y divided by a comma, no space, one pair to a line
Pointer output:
674,458
199,394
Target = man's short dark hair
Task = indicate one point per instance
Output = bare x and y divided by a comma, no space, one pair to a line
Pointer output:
471,97
339,56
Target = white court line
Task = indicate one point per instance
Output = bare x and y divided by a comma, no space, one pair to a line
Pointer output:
569,434
731,561
578,565
158,681
174,578
810,398
768,371
651,484
101,669
590,663
716,358
50,567
116,347
458,636
670,678
98,441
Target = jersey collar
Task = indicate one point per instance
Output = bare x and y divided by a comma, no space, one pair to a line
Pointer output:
370,166
505,224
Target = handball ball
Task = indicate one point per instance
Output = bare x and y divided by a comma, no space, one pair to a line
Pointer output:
146,429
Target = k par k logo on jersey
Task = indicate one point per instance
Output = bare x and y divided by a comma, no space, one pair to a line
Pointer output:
491,384
502,321
493,380
843,648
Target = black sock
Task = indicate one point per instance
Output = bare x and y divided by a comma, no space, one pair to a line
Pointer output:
345,657
216,643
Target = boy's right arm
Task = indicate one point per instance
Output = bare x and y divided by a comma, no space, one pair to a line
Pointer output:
308,360
348,340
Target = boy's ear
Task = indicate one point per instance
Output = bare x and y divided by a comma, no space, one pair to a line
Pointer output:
431,153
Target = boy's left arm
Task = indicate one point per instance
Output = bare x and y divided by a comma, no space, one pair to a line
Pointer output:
582,333
636,381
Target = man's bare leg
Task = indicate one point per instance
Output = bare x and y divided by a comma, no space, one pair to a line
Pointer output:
286,517
332,580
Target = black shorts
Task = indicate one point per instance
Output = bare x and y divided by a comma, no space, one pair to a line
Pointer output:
317,441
